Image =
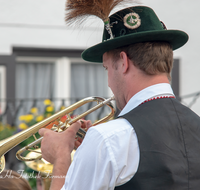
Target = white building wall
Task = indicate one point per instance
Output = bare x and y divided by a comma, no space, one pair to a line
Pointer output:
40,23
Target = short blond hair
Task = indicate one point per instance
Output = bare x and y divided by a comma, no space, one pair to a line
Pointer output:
151,57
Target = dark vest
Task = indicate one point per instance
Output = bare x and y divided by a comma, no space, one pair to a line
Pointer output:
169,141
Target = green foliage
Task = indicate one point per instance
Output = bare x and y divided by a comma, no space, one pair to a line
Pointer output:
6,131
26,121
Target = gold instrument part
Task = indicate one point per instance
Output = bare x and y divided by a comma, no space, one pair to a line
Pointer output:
41,165
10,142
44,168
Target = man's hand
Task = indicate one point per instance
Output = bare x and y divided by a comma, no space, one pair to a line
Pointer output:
57,147
56,144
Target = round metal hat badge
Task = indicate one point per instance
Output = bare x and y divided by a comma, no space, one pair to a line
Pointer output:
132,20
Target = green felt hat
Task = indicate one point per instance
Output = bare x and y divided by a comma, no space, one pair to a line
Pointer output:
134,25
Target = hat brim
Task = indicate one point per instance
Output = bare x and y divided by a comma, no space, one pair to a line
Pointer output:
176,38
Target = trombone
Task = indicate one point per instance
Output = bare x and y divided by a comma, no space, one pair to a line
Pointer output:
10,142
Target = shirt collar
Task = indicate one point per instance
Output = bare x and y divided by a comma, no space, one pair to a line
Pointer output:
161,89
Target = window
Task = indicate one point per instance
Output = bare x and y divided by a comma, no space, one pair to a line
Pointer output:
2,88
88,79
63,80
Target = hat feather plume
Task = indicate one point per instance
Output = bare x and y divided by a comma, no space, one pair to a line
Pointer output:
79,10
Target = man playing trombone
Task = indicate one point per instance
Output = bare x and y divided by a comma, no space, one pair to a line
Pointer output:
155,141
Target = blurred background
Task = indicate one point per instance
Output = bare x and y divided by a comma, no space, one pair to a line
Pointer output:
41,70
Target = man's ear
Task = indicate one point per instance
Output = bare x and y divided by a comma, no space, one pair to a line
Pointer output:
125,62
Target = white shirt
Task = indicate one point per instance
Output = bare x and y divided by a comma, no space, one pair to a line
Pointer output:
109,154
